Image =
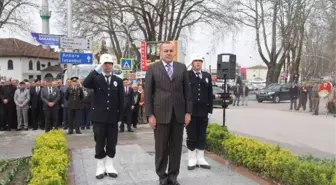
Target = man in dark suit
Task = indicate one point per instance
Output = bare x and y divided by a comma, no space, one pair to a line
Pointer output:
168,107
202,101
293,92
36,105
85,108
50,97
128,102
135,105
106,113
74,96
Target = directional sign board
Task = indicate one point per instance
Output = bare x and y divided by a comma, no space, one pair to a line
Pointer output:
76,58
126,64
75,43
46,39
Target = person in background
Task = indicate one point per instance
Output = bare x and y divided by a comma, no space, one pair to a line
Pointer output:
85,106
50,96
310,96
334,97
64,103
237,93
135,105
293,92
74,96
303,97
244,94
141,117
316,99
202,105
36,106
21,99
127,106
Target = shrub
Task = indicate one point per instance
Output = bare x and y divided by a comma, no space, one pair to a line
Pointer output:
270,161
50,161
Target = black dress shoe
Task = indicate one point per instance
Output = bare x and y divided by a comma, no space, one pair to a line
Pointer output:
26,129
121,131
70,132
101,176
130,130
173,182
78,132
113,175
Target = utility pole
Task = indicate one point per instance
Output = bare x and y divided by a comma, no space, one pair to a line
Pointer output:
69,19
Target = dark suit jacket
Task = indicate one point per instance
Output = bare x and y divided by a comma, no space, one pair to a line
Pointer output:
35,98
107,100
135,101
163,95
54,97
128,100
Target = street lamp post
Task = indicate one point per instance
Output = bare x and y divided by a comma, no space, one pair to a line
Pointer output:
69,21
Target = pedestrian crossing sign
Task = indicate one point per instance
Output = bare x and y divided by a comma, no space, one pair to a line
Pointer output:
126,64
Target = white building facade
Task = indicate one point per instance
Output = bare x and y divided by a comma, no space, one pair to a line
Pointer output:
256,72
21,68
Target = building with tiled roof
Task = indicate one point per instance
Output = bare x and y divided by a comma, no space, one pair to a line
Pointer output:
22,60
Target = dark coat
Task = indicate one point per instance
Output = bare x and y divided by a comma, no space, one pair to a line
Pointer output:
74,97
202,94
107,100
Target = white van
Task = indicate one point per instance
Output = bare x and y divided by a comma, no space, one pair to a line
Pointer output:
83,70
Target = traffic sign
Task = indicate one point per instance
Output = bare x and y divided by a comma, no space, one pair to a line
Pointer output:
76,58
75,43
140,74
126,64
46,39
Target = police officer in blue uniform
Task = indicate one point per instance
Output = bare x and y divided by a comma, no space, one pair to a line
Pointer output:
202,100
106,113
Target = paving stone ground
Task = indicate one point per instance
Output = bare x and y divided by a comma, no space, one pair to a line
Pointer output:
136,167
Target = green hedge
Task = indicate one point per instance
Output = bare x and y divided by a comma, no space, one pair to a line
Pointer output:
50,161
270,161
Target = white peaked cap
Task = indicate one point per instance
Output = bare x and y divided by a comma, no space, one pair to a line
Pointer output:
196,57
107,58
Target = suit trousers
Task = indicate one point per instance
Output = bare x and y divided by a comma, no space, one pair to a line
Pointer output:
36,117
51,118
168,144
105,136
72,119
127,120
65,116
22,115
135,113
196,132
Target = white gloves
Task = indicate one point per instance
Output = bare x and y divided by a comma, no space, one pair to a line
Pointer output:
119,123
99,68
209,117
132,107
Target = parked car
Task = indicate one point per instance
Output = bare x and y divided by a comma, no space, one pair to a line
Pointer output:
274,92
221,99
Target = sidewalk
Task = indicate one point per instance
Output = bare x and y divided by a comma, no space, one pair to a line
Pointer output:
136,167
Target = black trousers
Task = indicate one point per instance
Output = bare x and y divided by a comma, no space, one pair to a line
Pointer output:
36,117
135,113
196,132
8,120
127,120
72,119
51,118
168,144
105,135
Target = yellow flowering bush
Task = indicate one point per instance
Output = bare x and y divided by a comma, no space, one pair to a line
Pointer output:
270,161
50,161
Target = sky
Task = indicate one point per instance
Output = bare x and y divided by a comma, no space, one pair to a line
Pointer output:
200,42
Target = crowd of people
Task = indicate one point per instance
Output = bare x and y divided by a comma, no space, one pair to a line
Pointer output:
49,104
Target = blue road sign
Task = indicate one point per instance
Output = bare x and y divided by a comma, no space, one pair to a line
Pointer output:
126,64
46,39
75,58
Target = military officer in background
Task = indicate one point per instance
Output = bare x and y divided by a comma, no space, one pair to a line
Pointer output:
106,113
202,97
74,96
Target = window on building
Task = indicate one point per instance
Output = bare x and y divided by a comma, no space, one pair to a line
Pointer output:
10,65
49,64
38,65
30,65
38,77
30,77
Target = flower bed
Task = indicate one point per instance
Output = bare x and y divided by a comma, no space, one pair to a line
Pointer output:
271,162
14,171
50,161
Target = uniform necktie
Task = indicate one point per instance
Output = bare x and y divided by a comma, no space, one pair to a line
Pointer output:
107,79
50,92
169,71
198,75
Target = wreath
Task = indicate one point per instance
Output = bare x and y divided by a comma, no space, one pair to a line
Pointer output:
331,107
